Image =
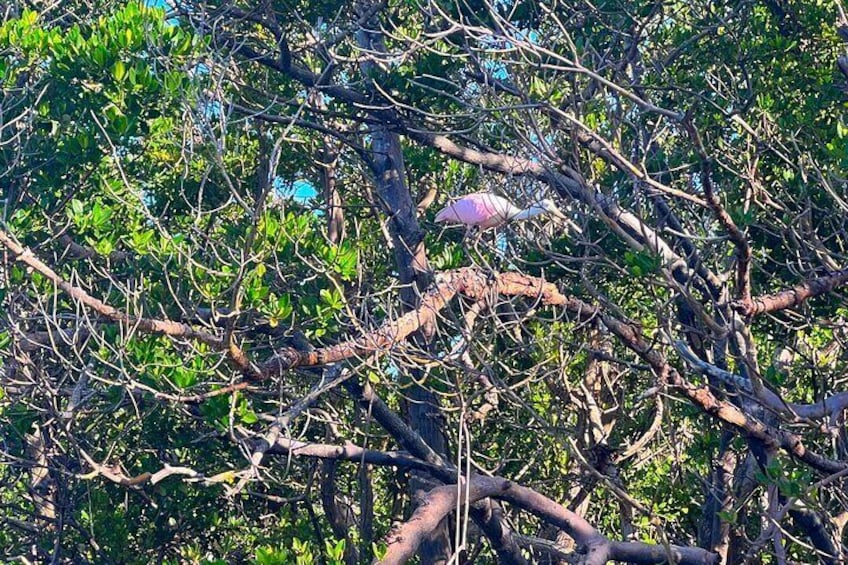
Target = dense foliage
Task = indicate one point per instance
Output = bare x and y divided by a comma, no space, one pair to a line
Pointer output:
218,242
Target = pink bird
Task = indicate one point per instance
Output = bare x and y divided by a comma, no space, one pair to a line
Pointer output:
485,210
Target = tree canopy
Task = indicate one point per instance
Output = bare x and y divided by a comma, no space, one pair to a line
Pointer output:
232,331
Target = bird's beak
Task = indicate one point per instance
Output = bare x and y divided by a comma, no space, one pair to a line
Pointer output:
558,214
570,225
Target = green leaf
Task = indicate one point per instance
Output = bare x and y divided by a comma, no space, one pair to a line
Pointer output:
77,208
331,298
173,82
283,307
119,70
379,550
249,417
273,556
112,112
100,55
100,215
104,247
141,239
335,551
29,17
217,410
641,263
184,378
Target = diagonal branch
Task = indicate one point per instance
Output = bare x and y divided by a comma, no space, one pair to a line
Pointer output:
349,452
467,281
146,325
794,296
632,228
827,407
488,514
723,411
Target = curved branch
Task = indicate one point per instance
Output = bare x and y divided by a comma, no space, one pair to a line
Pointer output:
597,548
477,285
568,185
489,514
404,540
466,281
726,412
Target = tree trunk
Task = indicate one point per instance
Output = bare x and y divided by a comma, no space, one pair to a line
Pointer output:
387,166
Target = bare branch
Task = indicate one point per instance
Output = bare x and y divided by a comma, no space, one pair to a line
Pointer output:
794,296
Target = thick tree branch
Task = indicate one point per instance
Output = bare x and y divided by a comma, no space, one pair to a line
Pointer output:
403,542
597,548
466,281
487,513
350,452
794,296
386,161
474,284
811,524
726,412
147,325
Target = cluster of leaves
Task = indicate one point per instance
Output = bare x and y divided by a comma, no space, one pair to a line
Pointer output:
106,105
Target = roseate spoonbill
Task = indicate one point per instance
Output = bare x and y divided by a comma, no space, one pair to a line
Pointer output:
485,210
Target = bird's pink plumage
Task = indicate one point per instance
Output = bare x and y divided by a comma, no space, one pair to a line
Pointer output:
479,209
